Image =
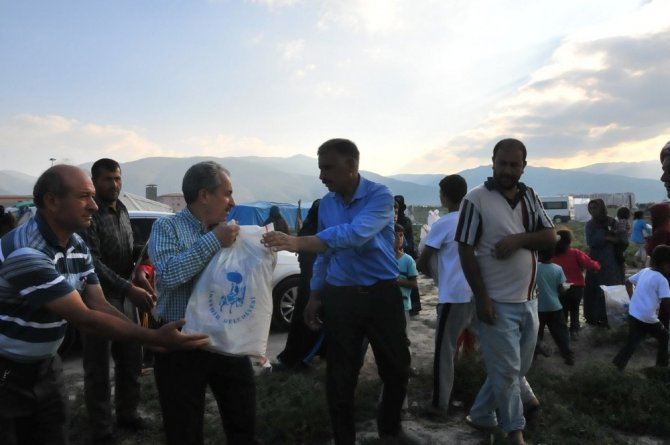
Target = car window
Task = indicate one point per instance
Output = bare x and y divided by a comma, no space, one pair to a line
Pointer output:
141,229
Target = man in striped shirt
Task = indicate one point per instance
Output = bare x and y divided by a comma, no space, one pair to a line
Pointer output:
46,280
501,226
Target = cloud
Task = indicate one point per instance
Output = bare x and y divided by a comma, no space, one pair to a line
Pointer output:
276,4
68,141
291,50
602,97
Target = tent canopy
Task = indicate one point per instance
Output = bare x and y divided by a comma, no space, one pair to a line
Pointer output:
255,213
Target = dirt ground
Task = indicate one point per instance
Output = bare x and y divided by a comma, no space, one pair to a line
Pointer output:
454,430
431,431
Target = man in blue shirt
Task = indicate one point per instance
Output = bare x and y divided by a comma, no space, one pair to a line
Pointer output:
354,288
47,280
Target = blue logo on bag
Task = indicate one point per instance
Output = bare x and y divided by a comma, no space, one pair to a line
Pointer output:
227,308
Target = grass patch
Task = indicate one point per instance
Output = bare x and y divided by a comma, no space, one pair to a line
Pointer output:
598,401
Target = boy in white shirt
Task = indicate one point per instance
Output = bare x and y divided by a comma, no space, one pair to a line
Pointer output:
455,307
652,292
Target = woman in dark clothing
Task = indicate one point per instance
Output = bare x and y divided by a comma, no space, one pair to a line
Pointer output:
278,221
601,240
660,234
7,221
301,339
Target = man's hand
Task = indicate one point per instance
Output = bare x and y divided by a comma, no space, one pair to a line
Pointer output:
141,279
486,311
226,234
280,241
141,298
170,338
311,314
507,246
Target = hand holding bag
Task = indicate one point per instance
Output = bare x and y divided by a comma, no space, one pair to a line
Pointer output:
232,299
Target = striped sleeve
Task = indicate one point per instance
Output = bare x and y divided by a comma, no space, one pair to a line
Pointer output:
543,221
33,275
468,230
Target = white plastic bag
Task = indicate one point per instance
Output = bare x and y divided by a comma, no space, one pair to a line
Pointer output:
232,299
433,215
616,302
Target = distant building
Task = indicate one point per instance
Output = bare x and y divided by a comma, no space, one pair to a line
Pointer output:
136,202
12,200
175,201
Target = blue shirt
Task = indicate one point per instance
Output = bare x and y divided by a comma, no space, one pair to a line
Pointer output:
35,271
180,248
360,238
550,277
407,269
639,231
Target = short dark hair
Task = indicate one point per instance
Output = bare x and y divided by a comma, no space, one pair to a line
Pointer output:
660,254
510,144
203,175
51,181
564,241
639,214
544,255
454,188
104,164
623,213
398,228
343,147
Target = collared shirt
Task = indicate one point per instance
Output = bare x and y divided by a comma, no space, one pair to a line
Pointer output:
486,216
110,240
180,248
360,238
35,270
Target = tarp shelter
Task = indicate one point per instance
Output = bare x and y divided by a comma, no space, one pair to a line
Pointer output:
255,213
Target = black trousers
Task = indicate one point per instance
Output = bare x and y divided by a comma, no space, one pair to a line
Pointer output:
300,339
555,321
97,389
182,378
637,331
570,302
32,403
349,315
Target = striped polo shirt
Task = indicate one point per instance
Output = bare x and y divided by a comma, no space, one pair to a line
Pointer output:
34,271
487,216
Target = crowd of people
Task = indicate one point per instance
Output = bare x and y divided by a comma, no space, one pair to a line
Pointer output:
502,270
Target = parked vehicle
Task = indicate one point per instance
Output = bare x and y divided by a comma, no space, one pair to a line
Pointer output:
285,278
560,209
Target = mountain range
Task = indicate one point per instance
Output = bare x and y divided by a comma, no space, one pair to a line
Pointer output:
288,179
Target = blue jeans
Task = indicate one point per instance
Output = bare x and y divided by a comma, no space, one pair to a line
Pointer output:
507,347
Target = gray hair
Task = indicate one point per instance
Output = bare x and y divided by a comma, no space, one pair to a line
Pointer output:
203,175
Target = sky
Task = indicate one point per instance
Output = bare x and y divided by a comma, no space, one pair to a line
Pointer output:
421,86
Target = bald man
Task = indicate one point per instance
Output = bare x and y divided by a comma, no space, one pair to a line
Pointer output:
47,279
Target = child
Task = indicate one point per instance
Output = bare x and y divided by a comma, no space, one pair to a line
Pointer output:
407,281
573,262
651,293
455,307
622,232
550,280
407,266
639,234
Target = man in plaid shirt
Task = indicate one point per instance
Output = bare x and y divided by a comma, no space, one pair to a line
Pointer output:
180,247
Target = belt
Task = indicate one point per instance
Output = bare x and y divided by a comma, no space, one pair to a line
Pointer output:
360,289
